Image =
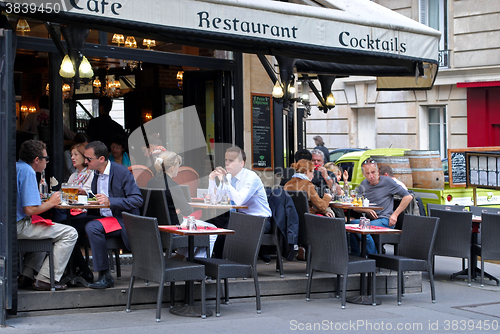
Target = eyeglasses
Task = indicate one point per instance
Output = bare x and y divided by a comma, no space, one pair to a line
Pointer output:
90,159
46,158
368,161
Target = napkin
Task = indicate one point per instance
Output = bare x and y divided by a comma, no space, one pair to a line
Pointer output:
110,224
36,219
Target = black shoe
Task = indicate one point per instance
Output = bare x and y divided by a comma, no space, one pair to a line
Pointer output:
86,275
44,286
264,257
103,283
24,282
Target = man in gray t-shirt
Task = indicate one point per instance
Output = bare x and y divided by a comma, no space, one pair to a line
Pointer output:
381,191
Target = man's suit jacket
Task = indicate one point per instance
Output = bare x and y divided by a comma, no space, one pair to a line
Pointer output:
124,194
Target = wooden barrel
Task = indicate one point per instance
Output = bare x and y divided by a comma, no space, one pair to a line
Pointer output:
427,169
400,168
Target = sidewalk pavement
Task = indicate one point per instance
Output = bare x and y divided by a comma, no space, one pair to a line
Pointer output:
458,309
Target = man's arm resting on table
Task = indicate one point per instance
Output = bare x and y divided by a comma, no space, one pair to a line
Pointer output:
37,209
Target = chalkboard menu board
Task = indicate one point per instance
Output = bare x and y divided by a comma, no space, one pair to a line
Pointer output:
457,164
262,132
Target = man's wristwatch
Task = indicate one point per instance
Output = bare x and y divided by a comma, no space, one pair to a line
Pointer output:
328,178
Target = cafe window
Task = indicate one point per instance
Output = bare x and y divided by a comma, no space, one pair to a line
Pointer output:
433,13
437,130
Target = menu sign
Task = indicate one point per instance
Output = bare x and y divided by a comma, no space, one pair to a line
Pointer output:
262,132
457,164
483,169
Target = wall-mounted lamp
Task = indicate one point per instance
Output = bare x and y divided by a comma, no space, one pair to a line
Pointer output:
66,89
24,109
32,109
118,39
148,43
130,42
23,26
180,78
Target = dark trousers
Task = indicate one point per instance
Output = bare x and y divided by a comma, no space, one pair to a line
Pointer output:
93,229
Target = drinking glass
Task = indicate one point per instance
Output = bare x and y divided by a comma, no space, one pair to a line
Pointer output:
64,193
73,192
206,198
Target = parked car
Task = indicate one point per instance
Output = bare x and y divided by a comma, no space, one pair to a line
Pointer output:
337,153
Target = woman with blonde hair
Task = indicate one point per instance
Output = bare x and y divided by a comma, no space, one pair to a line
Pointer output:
167,165
301,181
332,167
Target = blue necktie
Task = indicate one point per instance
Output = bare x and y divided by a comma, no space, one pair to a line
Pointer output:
233,183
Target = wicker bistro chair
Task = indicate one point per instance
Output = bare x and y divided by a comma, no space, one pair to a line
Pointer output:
488,249
239,257
113,245
431,207
454,236
155,205
415,251
150,264
393,239
302,206
329,253
271,239
39,245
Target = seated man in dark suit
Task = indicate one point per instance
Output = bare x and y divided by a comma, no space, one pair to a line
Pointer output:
113,185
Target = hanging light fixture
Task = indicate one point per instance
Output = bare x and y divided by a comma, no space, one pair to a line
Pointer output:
148,43
118,39
85,69
278,90
67,69
130,42
23,26
32,109
66,88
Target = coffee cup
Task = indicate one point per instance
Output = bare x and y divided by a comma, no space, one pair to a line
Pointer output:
82,199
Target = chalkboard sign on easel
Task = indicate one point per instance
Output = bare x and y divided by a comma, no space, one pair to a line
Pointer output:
262,132
457,166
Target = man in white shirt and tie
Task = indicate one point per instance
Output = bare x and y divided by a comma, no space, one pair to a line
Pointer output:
243,187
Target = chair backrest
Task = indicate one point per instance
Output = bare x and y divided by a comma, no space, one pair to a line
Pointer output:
146,247
328,243
421,207
299,199
454,233
155,205
243,246
431,207
188,176
185,191
490,231
418,237
142,174
479,210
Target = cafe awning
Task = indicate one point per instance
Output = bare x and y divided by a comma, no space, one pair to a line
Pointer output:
351,32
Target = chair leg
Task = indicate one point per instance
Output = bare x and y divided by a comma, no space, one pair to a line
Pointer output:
482,271
308,259
308,289
469,272
374,288
226,291
118,267
159,299
203,297
51,270
130,289
433,290
337,294
172,294
344,289
257,289
217,297
399,286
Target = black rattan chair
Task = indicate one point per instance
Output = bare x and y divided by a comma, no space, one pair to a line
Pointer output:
479,210
431,207
329,253
488,249
239,257
155,205
302,206
40,245
454,236
393,239
150,263
415,251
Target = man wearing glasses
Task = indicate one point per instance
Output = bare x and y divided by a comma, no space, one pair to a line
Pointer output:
380,190
32,159
113,185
